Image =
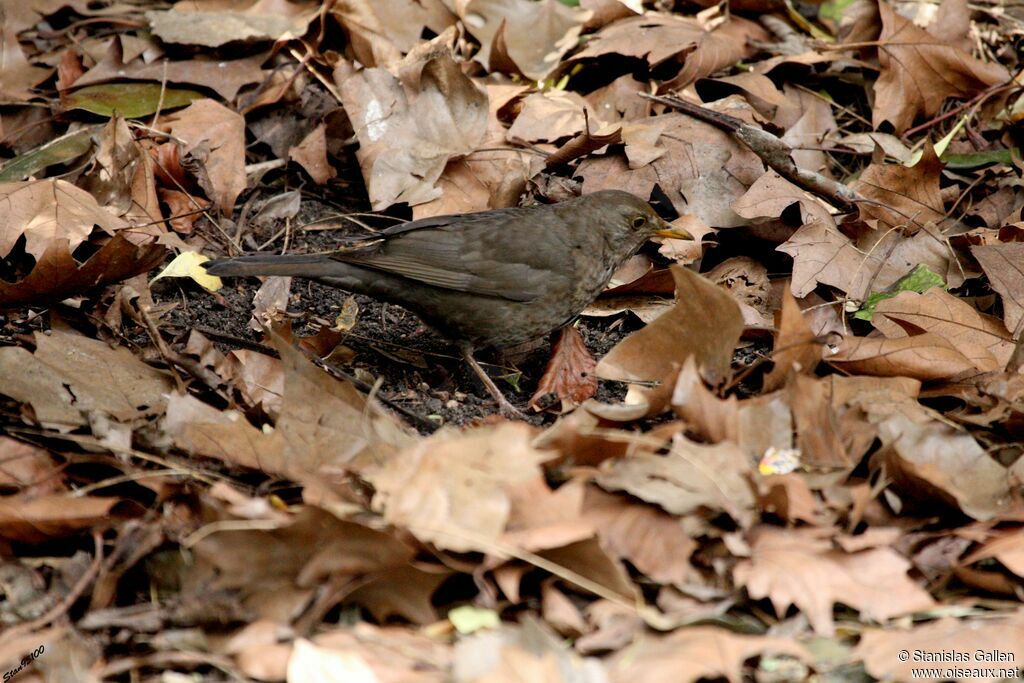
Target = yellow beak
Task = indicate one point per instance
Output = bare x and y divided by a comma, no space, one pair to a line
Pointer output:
668,230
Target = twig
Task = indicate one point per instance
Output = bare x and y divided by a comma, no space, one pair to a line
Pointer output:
773,151
64,605
975,101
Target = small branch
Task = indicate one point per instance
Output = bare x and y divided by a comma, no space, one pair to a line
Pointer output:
773,151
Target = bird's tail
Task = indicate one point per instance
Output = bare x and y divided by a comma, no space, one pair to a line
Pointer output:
299,265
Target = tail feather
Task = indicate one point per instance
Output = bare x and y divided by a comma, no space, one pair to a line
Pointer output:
298,265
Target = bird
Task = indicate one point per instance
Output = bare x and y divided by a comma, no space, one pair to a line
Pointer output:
487,279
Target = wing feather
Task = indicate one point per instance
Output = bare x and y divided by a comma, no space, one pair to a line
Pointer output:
459,253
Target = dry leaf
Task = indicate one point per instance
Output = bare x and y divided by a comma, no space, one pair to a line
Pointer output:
931,462
411,125
923,356
652,541
18,75
978,337
823,255
800,567
569,374
222,131
902,196
919,71
704,323
226,77
381,31
57,275
192,24
797,348
45,211
550,116
978,641
534,35
690,477
452,489
311,154
661,37
1002,264
696,653
70,378
702,169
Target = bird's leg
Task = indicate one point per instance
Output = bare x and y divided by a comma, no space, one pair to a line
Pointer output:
506,408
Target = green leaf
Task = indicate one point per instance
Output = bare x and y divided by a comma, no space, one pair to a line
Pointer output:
975,159
513,380
130,100
62,150
919,280
833,11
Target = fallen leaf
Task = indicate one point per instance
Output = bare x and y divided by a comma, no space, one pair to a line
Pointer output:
1007,547
819,437
922,356
800,567
493,176
257,376
411,125
660,37
452,489
57,275
71,377
901,196
311,154
226,77
918,71
932,462
705,414
381,31
692,654
550,116
44,211
260,21
569,374
797,349
931,648
311,663
19,76
1002,264
209,123
35,520
980,338
808,121
326,427
772,194
130,100
689,478
535,34
701,171
823,255
654,542
189,264
704,323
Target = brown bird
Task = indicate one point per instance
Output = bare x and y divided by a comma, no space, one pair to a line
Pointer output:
486,279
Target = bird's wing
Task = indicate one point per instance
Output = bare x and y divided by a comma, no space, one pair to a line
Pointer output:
477,253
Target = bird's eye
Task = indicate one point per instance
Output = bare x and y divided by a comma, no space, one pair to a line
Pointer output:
639,222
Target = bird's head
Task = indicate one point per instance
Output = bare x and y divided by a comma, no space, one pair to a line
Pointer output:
630,220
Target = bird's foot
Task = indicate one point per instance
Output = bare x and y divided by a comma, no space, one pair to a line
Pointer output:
508,410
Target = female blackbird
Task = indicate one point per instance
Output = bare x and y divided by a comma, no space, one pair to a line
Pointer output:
486,279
